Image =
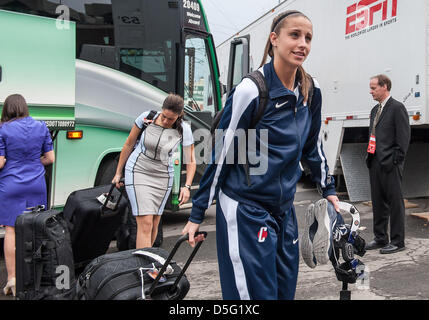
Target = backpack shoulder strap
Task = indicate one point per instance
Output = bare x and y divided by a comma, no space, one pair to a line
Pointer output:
258,78
150,116
310,92
216,120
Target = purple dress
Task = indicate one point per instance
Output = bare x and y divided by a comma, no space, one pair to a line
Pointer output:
22,179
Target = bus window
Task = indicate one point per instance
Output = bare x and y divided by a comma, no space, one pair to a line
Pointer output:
153,63
198,92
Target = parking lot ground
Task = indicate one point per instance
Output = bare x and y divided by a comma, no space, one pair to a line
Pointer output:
399,276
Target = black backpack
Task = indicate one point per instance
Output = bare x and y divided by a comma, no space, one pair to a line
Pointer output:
258,78
44,256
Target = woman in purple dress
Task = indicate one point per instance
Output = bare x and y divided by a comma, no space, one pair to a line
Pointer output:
25,148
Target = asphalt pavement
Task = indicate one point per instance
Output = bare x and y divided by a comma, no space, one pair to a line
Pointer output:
399,276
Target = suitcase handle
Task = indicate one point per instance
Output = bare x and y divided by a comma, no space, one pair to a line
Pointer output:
104,206
170,257
36,209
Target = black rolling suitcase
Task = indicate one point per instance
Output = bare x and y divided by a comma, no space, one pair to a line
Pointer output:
129,275
44,258
93,221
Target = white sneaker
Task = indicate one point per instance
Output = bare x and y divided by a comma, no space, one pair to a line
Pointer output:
326,217
307,239
317,239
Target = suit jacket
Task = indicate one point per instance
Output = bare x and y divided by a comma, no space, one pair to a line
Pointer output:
392,134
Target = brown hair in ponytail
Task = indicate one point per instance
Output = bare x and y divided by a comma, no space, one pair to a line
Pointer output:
175,103
276,25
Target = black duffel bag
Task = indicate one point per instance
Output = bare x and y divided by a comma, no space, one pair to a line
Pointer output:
137,274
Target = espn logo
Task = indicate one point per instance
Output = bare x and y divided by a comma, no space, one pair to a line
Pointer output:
361,14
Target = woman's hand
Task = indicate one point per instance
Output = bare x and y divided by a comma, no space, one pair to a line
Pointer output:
184,195
117,180
190,229
48,158
334,200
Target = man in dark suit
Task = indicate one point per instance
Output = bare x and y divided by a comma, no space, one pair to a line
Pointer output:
389,132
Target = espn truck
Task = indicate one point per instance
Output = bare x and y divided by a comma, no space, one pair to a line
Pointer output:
88,68
353,41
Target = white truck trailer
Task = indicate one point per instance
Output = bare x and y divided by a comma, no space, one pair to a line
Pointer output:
353,41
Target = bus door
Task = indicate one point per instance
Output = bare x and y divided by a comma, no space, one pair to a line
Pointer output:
200,97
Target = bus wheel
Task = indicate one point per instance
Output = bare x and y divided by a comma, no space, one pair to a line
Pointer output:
107,170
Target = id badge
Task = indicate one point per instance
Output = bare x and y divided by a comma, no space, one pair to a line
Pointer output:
371,145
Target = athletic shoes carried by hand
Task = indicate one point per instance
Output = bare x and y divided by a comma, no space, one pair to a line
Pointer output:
317,239
308,236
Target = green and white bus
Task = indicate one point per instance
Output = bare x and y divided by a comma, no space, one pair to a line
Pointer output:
88,68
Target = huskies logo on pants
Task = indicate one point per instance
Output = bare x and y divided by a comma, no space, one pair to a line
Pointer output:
262,234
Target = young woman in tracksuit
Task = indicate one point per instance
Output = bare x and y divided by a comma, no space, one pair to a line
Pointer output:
257,233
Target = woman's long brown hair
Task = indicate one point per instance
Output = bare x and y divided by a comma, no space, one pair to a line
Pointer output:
14,107
278,23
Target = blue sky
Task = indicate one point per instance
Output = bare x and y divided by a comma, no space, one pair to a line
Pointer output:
226,17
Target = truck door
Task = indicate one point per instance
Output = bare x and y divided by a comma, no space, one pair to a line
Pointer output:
238,61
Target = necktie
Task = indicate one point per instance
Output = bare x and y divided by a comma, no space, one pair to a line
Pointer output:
377,117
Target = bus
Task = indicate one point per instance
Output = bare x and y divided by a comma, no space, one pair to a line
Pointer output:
88,68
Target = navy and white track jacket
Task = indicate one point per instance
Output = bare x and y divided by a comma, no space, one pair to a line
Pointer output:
293,135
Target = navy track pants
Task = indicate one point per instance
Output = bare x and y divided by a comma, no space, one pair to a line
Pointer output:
258,253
